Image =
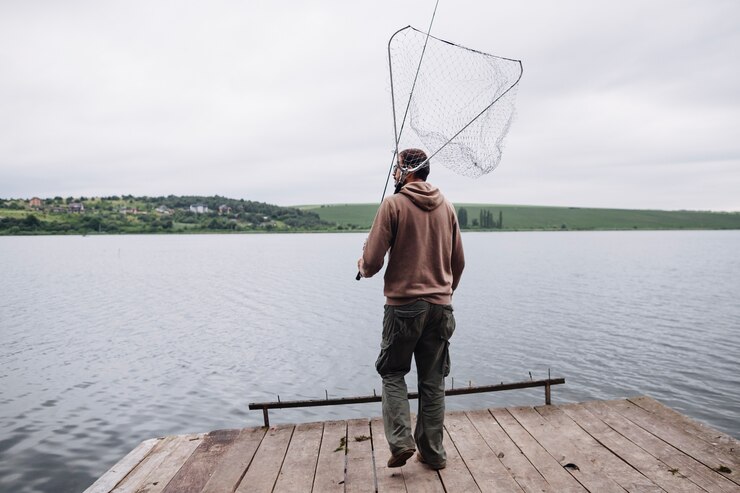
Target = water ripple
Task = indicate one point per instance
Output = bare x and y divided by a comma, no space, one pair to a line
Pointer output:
108,341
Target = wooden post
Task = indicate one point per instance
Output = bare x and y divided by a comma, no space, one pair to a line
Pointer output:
266,416
547,394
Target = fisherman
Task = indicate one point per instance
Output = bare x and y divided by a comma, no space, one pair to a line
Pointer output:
419,227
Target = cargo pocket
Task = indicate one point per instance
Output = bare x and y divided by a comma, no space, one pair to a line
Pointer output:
447,328
381,364
401,329
407,322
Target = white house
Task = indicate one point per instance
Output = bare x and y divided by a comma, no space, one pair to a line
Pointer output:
199,208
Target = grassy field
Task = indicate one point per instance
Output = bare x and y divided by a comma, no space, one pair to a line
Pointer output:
357,215
105,216
519,217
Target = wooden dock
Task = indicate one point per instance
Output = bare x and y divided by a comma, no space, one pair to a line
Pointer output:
635,445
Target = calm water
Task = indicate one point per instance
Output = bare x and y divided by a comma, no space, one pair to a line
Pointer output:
110,340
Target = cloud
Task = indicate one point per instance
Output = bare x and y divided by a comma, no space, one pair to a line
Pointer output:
622,104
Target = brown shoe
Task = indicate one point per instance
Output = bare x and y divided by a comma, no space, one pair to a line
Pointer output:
436,467
400,459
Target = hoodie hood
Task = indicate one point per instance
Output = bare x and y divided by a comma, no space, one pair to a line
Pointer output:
423,195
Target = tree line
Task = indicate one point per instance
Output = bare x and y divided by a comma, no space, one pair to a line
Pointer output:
143,214
485,220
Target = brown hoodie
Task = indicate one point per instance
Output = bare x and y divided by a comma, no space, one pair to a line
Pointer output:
426,258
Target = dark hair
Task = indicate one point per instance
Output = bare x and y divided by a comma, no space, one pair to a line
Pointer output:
411,158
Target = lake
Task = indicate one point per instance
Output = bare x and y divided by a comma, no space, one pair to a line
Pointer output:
110,340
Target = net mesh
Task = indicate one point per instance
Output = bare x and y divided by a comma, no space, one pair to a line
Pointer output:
462,101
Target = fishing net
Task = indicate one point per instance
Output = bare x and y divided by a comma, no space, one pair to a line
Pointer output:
457,102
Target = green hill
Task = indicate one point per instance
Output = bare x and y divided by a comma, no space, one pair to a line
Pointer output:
200,214
134,215
350,216
523,217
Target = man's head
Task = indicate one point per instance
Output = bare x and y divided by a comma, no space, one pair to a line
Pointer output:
409,159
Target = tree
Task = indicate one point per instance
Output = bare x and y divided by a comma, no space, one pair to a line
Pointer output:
462,217
486,219
92,223
31,221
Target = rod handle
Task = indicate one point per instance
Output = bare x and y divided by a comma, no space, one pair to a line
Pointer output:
358,276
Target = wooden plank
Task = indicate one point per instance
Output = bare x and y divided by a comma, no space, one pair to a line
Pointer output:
724,442
151,462
235,461
265,466
417,476
678,462
557,477
158,479
197,470
609,464
360,473
638,444
557,442
330,467
390,480
420,478
299,466
648,465
486,468
674,434
147,465
115,474
697,435
515,462
456,476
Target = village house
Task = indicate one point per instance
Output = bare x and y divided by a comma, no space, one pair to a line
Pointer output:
35,203
163,209
76,207
199,208
224,209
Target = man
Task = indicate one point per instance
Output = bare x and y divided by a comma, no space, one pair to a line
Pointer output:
426,259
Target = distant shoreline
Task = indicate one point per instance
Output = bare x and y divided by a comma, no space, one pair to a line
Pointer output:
497,217
354,231
220,215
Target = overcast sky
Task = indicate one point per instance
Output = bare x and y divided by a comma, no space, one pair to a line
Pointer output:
629,104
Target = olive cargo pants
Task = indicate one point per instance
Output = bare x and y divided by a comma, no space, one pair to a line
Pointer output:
421,330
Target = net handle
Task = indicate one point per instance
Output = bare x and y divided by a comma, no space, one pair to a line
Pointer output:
396,132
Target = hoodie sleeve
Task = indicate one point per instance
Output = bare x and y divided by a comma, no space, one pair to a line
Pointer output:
458,255
379,240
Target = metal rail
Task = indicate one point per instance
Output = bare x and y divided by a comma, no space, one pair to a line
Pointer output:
547,383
